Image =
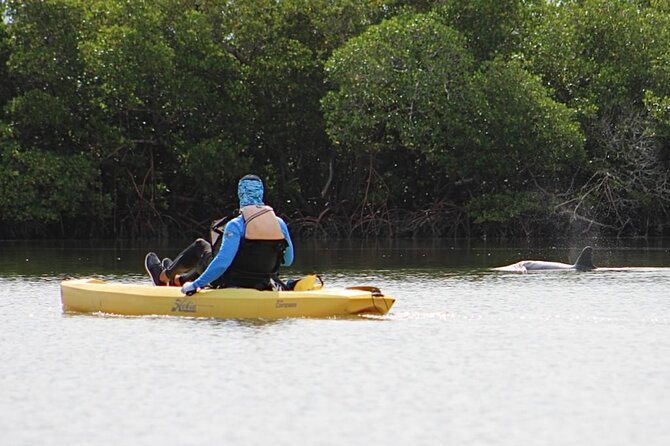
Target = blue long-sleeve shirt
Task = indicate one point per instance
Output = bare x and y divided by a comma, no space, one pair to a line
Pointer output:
233,233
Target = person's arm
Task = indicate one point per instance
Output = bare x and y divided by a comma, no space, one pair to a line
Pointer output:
230,243
287,260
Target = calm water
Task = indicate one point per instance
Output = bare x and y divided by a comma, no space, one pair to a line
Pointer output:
467,356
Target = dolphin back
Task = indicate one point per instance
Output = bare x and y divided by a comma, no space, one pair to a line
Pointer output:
585,260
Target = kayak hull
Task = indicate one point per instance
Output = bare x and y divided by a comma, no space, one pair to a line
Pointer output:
97,296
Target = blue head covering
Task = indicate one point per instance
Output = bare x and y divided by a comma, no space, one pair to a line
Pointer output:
250,190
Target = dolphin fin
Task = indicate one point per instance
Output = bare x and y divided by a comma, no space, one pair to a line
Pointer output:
585,260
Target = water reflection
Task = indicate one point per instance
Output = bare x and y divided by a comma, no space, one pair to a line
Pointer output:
123,259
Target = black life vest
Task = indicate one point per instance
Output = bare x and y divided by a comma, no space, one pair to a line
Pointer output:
260,253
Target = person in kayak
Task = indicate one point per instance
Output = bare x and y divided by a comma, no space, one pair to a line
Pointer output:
252,247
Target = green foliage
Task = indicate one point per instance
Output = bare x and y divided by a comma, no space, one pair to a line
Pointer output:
6,86
128,60
281,47
366,117
410,84
659,109
399,91
47,111
608,60
165,89
45,36
657,97
212,169
492,27
395,82
503,208
522,135
42,118
39,186
595,53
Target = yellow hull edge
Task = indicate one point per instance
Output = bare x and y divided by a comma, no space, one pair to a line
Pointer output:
97,296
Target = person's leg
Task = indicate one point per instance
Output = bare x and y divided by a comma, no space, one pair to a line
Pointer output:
153,266
189,276
189,264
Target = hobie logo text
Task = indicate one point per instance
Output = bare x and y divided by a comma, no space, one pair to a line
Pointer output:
184,306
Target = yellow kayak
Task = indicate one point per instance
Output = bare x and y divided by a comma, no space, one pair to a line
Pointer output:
94,295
